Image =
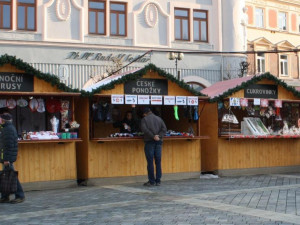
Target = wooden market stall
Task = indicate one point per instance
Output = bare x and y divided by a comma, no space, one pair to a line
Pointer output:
35,100
105,153
253,124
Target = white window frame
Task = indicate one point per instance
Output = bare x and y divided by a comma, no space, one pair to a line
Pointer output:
259,17
262,60
282,21
284,66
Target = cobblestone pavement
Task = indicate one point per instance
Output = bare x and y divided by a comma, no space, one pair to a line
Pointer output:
260,199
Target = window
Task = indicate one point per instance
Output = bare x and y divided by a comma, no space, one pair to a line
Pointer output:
261,63
196,86
26,10
200,25
182,24
5,14
282,21
259,17
97,17
118,19
284,65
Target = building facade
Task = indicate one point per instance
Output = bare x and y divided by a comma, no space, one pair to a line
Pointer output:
274,25
82,41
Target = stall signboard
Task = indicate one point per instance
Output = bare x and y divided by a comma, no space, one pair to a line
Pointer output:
156,100
146,87
192,100
169,100
180,100
131,99
261,91
117,99
16,82
143,99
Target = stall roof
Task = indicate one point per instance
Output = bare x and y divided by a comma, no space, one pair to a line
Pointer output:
110,82
107,80
224,89
27,68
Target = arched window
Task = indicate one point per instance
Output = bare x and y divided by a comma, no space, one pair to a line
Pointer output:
196,86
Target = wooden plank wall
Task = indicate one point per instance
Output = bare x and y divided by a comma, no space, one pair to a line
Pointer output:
82,117
114,159
209,127
46,162
255,153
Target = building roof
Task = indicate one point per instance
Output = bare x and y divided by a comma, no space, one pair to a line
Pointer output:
225,89
220,87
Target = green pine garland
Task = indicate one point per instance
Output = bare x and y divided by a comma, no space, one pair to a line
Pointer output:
139,74
254,80
52,79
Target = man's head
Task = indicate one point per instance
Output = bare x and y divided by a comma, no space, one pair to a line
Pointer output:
146,110
5,117
129,115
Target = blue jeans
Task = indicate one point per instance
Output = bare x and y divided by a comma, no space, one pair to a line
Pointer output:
20,192
153,150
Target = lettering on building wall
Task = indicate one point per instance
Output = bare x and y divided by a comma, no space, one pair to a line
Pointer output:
261,91
18,82
107,57
146,87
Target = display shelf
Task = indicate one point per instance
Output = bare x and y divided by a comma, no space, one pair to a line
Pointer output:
49,141
258,136
108,139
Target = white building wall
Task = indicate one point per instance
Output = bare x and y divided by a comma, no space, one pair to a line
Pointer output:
61,33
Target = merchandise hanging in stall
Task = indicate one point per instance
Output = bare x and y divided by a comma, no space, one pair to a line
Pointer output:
38,103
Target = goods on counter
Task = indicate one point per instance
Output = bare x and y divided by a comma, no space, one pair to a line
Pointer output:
42,135
256,126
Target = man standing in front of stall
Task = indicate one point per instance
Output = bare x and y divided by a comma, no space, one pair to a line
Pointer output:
154,129
9,152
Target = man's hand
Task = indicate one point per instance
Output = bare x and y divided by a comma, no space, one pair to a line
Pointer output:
6,163
156,137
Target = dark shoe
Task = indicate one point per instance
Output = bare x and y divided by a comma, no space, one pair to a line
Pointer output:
148,184
157,184
17,200
4,200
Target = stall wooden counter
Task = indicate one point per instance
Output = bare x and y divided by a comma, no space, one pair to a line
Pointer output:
41,164
229,151
103,156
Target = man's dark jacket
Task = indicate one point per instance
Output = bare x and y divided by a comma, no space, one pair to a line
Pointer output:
153,125
8,142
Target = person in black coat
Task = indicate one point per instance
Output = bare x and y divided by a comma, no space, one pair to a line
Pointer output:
9,152
129,124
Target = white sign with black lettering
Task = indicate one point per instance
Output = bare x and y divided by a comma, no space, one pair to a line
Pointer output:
192,100
180,100
143,99
156,100
169,100
117,99
130,99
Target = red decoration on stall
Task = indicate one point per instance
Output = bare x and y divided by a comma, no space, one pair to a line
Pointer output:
53,105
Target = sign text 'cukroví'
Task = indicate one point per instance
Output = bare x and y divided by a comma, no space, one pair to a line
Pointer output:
17,82
146,87
261,91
